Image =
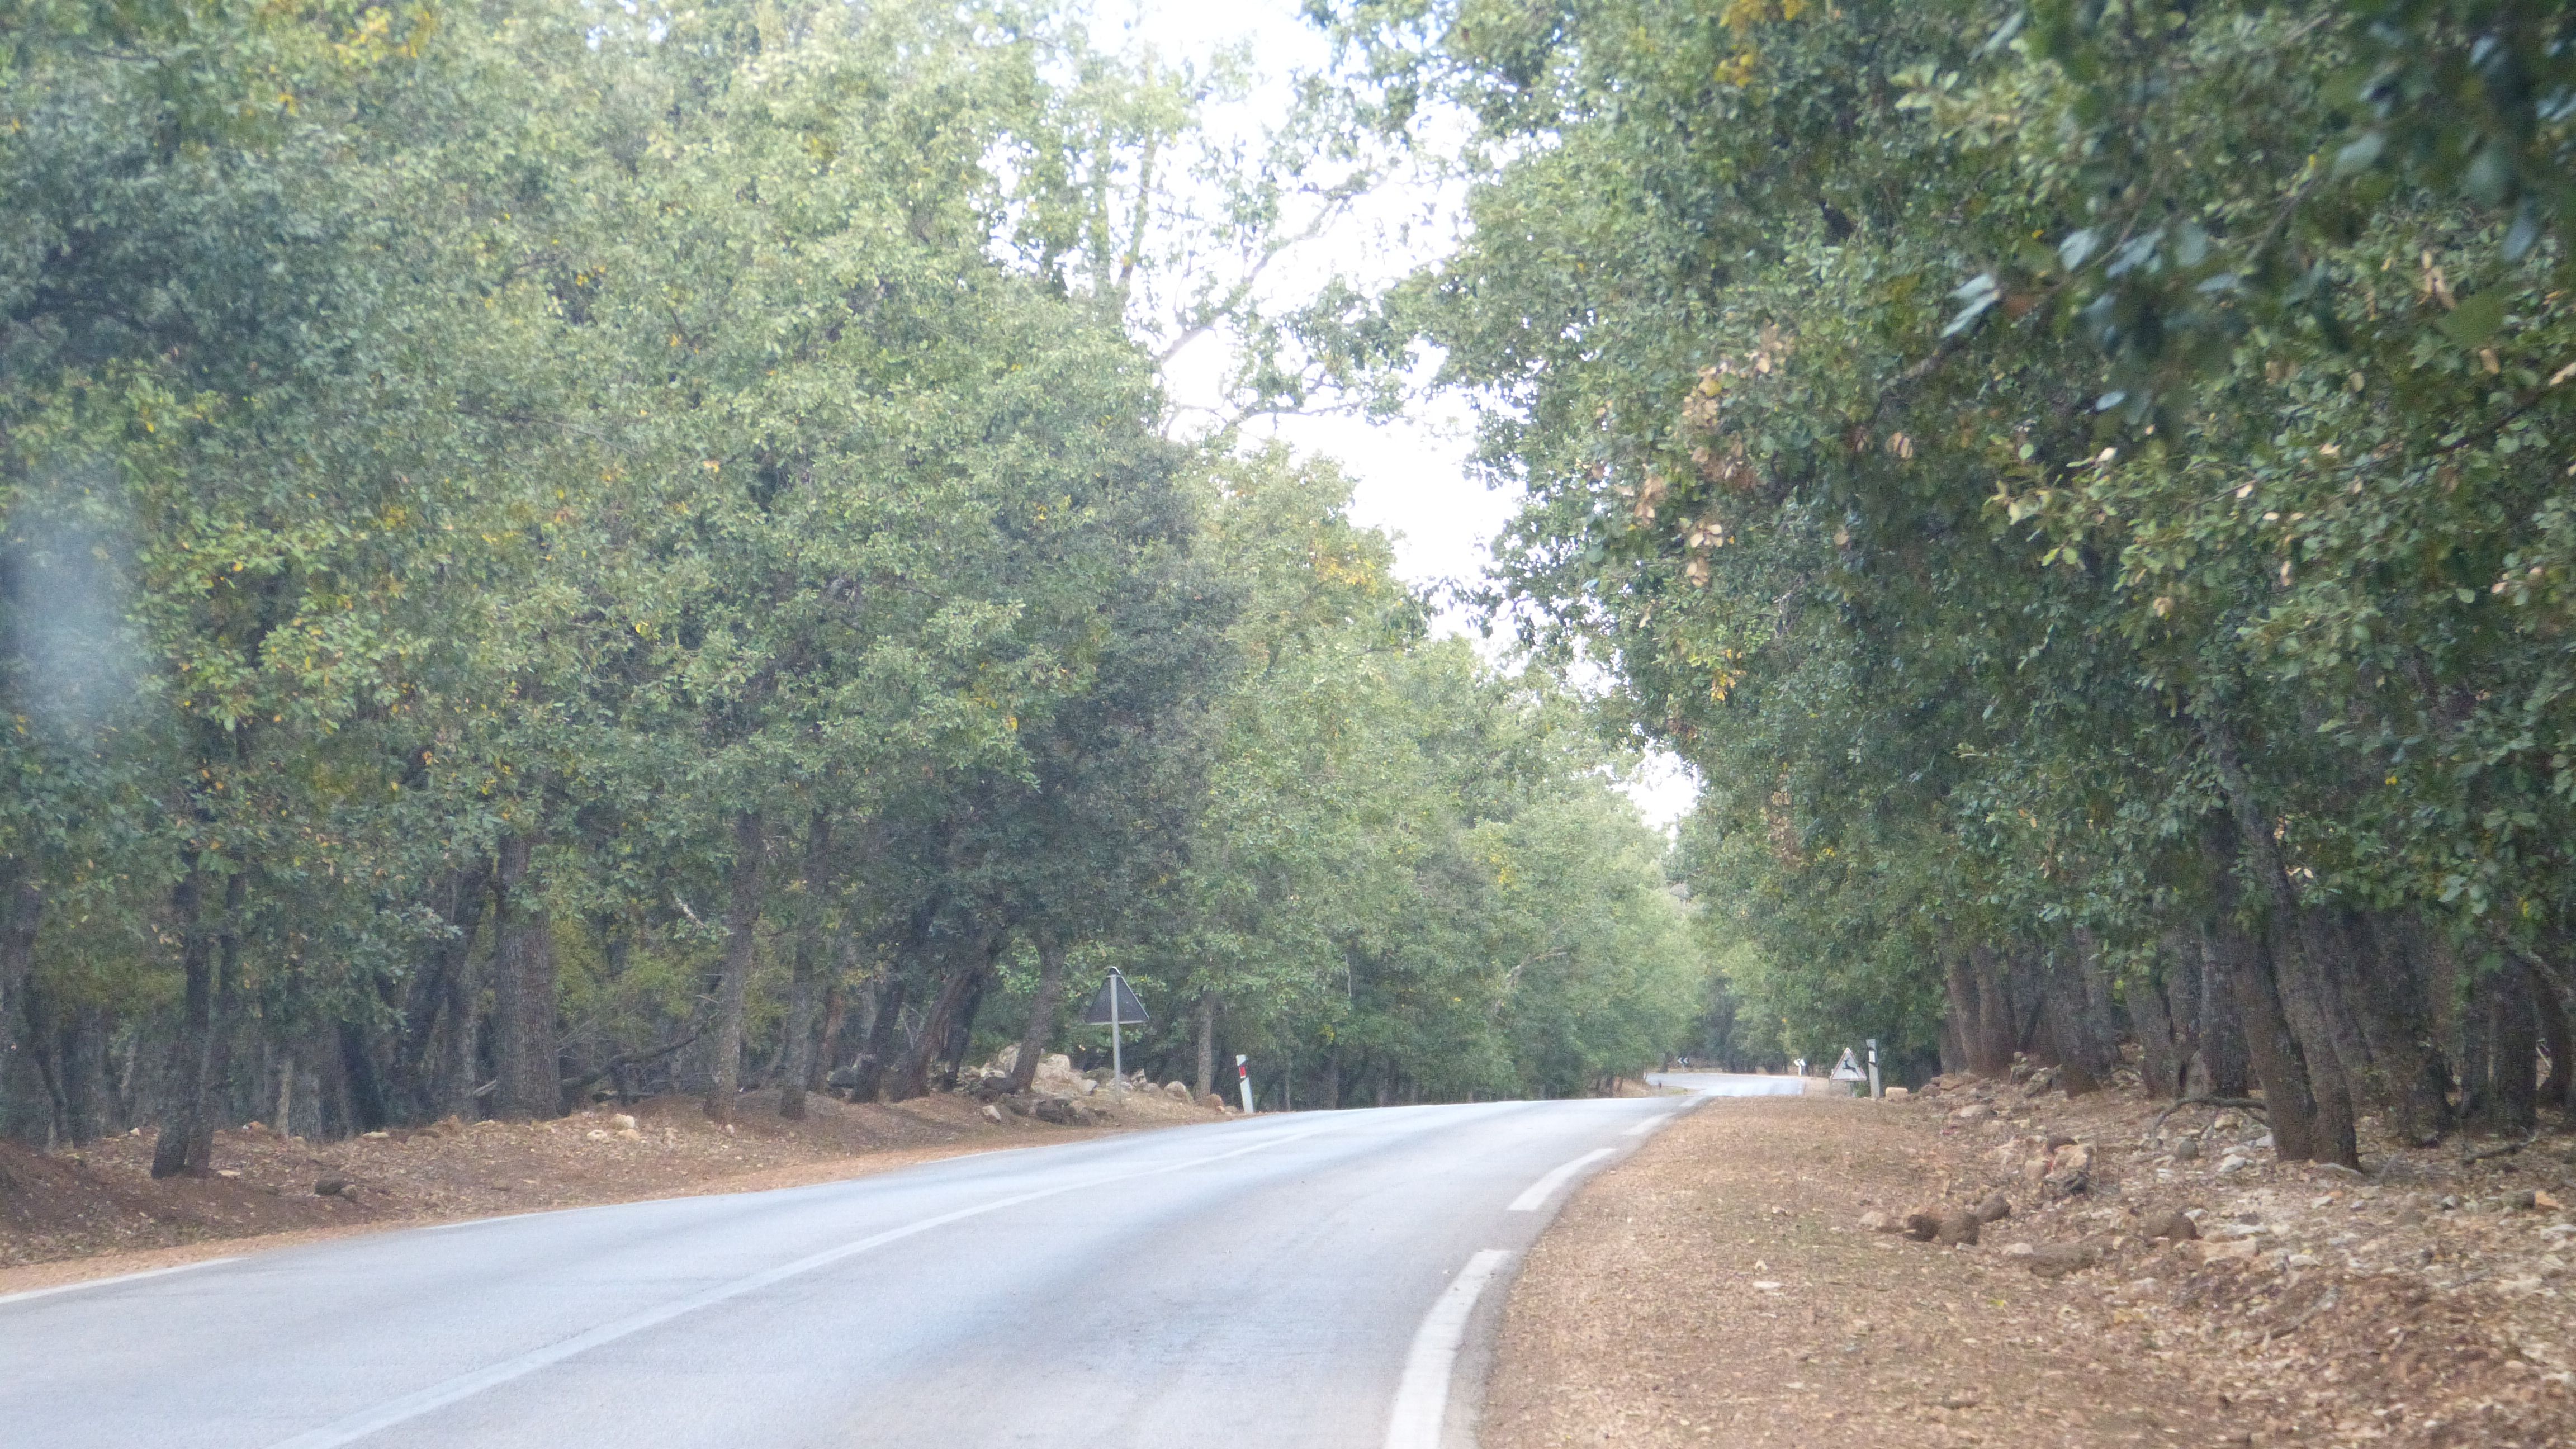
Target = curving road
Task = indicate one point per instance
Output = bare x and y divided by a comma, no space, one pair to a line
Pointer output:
1321,1278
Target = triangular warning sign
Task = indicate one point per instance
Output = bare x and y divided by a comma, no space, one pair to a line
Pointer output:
1115,996
1848,1070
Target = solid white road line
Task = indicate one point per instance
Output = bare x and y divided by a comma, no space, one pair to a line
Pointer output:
1545,1188
1422,1395
1649,1125
480,1222
411,1406
119,1278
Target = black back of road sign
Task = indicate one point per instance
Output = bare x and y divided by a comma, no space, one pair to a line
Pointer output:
1115,992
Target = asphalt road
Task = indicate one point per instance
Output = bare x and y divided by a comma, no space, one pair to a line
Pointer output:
1320,1278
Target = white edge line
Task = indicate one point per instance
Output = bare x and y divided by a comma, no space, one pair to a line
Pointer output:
1650,1124
1540,1191
484,1222
411,1406
119,1278
1422,1394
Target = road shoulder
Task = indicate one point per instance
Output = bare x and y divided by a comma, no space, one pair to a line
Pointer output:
1713,1289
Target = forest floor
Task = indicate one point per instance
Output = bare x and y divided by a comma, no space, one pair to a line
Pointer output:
96,1210
1746,1279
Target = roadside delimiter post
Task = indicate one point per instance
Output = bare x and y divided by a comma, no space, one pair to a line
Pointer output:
1874,1089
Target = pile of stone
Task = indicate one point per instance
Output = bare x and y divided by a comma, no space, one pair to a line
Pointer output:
1057,1093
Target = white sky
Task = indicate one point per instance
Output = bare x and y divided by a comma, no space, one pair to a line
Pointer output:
1410,476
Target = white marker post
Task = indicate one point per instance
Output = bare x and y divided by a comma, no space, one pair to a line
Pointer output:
1875,1089
1243,1079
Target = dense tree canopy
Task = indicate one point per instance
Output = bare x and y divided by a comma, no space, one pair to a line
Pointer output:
544,548
2086,485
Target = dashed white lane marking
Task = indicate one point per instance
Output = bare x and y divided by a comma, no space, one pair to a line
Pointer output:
1545,1188
119,1278
1422,1395
464,1386
1649,1125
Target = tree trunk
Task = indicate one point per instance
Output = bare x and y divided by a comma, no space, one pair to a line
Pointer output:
2160,1057
2513,1047
454,999
186,1144
2298,980
883,1023
812,887
2084,1055
1990,1046
961,1027
2392,998
2224,1069
1042,1007
733,981
366,1085
1959,1015
528,1082
1207,1046
827,1049
913,1078
2236,960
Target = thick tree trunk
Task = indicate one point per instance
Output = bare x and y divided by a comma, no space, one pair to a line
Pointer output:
884,1021
441,1049
827,1050
2298,980
1990,1046
733,981
1042,1007
1959,1014
367,1102
2160,1056
2392,998
2085,1053
527,1079
2236,961
961,1028
2225,1071
2514,1049
812,887
912,1079
186,1144
1207,1048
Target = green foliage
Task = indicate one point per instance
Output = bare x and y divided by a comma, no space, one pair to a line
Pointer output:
1968,425
532,536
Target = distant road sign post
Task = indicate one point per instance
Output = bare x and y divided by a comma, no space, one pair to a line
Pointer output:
1115,1006
1848,1070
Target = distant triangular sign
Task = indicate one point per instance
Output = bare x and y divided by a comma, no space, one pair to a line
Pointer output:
1848,1070
1115,996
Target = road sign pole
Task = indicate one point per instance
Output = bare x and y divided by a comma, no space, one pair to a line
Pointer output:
1117,1060
1243,1080
1874,1089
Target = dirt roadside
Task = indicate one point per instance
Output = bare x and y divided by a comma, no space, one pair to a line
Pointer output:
1728,1285
96,1212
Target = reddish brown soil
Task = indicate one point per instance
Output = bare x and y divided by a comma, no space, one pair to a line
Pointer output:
1720,1288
